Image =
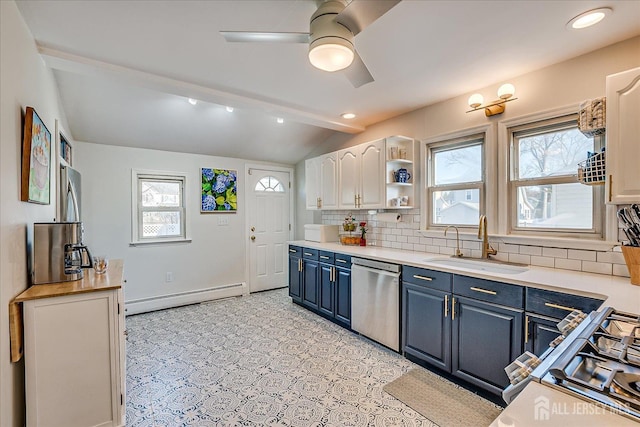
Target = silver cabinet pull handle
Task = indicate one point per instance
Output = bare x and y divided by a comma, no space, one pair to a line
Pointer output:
484,291
341,260
324,257
292,250
428,279
561,307
308,254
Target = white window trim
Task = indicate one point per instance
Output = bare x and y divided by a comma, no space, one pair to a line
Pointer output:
488,200
136,174
610,231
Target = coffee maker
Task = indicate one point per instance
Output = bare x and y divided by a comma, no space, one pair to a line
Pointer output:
58,252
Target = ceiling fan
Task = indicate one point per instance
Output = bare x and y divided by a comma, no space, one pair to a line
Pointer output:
332,30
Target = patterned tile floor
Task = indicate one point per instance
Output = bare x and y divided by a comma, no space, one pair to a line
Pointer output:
258,361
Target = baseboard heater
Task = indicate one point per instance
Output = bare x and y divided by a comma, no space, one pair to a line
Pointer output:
160,302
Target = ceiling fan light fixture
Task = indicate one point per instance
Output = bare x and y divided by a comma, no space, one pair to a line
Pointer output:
331,54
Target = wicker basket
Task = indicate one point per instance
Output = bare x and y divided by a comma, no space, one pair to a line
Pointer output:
592,117
593,170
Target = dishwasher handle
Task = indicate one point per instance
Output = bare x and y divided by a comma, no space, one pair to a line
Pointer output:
356,267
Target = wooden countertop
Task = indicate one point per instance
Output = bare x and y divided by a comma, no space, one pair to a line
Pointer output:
91,282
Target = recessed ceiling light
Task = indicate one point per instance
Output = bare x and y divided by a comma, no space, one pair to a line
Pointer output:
280,120
193,101
230,109
348,116
589,18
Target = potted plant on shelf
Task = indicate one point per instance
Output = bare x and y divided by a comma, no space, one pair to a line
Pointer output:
363,236
349,223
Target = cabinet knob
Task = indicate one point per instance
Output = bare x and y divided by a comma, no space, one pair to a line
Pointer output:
253,238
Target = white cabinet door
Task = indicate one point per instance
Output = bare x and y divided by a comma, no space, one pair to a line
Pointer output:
74,360
623,137
348,178
372,177
312,183
329,181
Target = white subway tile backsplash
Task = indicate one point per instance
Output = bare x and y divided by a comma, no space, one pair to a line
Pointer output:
581,255
554,252
508,248
470,244
542,261
620,270
519,258
597,267
610,257
531,250
568,264
406,235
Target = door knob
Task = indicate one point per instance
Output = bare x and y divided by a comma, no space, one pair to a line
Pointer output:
253,238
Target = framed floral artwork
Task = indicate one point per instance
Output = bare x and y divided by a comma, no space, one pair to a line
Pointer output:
36,160
219,190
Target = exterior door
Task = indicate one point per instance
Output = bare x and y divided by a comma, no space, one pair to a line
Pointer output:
268,221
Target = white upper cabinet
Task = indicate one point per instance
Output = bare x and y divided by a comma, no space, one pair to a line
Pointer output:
312,183
329,181
348,178
372,175
623,137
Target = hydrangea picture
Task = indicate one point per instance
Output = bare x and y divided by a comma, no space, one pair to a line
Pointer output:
219,190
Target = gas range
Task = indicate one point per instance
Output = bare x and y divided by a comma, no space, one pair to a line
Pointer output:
600,362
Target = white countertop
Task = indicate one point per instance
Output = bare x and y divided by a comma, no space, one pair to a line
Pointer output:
541,406
617,291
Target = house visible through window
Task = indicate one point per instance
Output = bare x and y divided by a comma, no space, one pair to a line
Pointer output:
159,208
545,193
456,181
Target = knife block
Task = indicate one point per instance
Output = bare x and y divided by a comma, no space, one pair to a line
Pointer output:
632,258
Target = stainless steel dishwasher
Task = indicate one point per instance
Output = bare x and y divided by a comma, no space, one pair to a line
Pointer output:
375,301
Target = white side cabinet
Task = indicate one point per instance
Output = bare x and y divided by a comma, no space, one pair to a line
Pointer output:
623,137
312,183
75,359
329,181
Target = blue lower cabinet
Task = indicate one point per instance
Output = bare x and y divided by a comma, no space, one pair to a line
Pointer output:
539,332
321,282
342,303
426,328
486,337
295,273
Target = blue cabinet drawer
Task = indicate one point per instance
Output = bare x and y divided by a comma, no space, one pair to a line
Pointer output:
326,257
558,304
295,250
429,278
343,260
490,291
310,253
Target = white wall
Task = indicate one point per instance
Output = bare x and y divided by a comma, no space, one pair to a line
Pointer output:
24,81
556,86
215,258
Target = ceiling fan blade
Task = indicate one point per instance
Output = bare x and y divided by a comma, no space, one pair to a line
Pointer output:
257,37
360,13
358,73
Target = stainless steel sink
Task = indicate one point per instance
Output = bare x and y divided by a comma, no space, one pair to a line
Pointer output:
490,266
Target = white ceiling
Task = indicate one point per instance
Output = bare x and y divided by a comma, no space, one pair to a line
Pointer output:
124,68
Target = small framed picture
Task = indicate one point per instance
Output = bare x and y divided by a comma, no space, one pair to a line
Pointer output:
36,160
66,149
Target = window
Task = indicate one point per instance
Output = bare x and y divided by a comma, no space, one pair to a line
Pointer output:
456,181
269,183
545,195
159,207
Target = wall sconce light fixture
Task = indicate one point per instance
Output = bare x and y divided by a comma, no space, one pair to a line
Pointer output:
505,93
